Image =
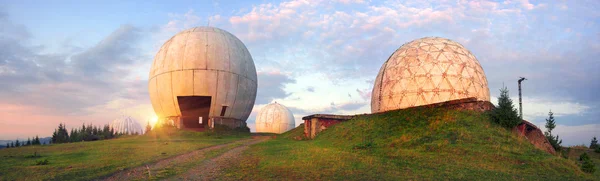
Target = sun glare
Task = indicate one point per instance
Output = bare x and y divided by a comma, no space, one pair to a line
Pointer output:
153,120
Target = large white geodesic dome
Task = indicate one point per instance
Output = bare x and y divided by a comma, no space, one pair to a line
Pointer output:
426,71
275,118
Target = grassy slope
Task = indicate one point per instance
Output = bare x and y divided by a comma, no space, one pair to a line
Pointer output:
574,152
406,145
88,160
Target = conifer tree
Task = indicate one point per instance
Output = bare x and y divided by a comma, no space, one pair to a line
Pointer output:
505,114
17,144
36,140
28,141
594,144
12,144
550,125
112,132
7,145
148,128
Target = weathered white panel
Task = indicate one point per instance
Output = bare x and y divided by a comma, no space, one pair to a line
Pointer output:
174,52
218,52
222,90
236,54
165,94
427,71
241,100
159,59
231,93
183,83
202,81
195,51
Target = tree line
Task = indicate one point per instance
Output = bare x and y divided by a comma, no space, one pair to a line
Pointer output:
84,133
30,141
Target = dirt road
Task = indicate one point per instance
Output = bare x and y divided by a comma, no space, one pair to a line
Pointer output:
194,165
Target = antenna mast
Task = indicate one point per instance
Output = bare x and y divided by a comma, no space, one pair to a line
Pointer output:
521,102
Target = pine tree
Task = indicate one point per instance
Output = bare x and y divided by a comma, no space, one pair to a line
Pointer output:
36,140
594,143
7,145
112,132
17,144
555,141
28,141
505,114
12,144
587,165
148,128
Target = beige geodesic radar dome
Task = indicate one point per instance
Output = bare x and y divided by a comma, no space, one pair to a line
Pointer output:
200,74
426,71
274,118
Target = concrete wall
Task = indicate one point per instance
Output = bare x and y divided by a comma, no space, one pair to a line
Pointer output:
535,136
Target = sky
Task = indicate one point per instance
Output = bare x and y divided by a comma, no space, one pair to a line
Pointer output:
77,62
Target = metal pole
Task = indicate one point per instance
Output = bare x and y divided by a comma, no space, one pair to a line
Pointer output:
520,101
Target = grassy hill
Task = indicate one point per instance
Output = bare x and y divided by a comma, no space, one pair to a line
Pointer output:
573,153
90,160
415,144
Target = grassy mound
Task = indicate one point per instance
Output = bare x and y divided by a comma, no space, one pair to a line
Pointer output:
297,133
422,143
90,160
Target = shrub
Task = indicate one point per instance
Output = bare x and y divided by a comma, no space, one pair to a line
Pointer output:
597,150
587,165
583,157
364,145
42,162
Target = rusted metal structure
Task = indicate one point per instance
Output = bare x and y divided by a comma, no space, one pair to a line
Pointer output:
203,76
274,118
520,102
427,71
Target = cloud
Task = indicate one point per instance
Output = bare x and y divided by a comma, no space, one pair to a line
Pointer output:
332,108
365,93
45,89
574,135
271,86
110,56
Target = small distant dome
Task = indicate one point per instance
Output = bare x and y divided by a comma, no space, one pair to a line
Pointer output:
126,125
427,71
275,118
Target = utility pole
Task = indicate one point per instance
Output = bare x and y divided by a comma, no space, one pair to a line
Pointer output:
521,102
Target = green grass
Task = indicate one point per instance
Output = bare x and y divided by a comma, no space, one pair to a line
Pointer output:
573,153
90,160
415,144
